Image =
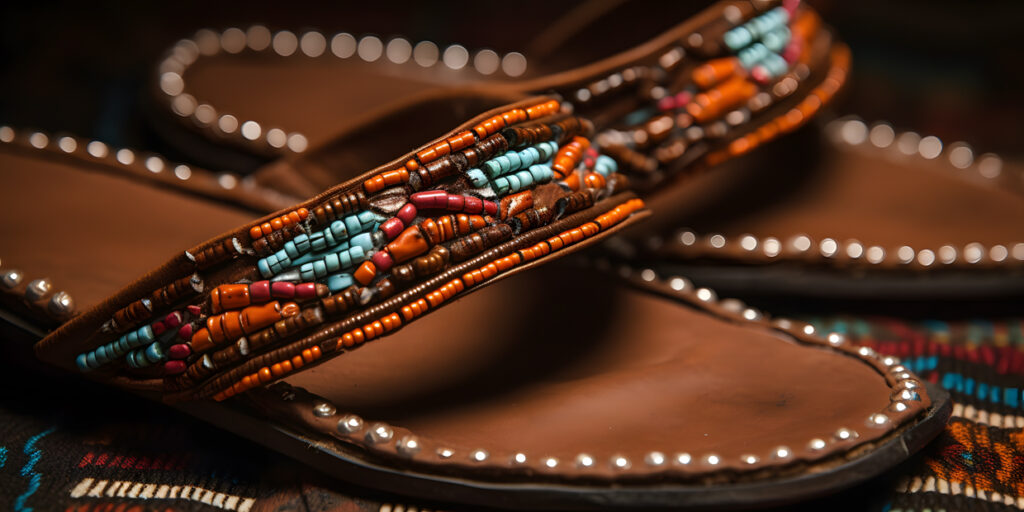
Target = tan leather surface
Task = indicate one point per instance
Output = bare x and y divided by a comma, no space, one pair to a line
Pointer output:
91,232
556,362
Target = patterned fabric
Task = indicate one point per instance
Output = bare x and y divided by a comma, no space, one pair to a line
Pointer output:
70,445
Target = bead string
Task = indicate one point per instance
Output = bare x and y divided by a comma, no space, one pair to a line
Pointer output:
905,402
258,39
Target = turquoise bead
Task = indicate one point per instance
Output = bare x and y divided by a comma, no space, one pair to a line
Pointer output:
339,282
80,361
513,160
493,168
155,353
738,38
513,183
477,178
753,54
777,39
353,224
775,65
364,240
301,242
320,268
500,186
91,360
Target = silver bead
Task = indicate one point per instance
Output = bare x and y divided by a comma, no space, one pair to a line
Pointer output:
679,284
350,423
324,409
654,458
37,289
61,303
751,314
732,305
379,433
408,446
12,278
898,407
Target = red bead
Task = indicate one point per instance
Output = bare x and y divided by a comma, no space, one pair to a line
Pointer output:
282,290
174,367
260,291
382,260
159,328
490,207
473,205
456,203
179,351
392,227
407,214
185,332
305,291
430,199
195,310
172,320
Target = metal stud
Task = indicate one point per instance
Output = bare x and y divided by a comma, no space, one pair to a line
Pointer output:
549,462
654,458
732,305
682,459
782,453
445,453
712,459
751,314
816,444
620,462
706,295
845,434
519,458
648,275
12,278
478,455
878,420
898,407
750,459
37,289
867,352
324,409
584,460
379,433
61,303
408,446
680,284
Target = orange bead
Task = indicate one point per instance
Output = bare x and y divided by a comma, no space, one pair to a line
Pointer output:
255,232
276,370
365,273
714,71
407,245
297,362
265,375
307,356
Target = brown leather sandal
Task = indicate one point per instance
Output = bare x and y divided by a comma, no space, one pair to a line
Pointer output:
582,394
806,218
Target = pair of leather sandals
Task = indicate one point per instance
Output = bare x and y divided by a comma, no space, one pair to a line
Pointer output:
623,385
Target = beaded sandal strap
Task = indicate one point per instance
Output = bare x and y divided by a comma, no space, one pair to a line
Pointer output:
514,187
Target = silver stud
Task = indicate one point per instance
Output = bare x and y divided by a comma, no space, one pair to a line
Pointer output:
866,352
620,462
682,459
783,323
878,420
875,254
478,455
648,275
38,140
6,134
800,243
687,238
816,444
898,407
324,409
828,247
750,459
890,360
782,453
998,253
519,458
905,254
854,132
990,165
973,252
882,135
584,460
654,458
679,284
898,368
926,257
909,383
930,147
61,303
445,453
549,462
960,155
751,314
712,459
12,278
771,247
717,241
706,295
732,305
379,433
808,329
905,394
748,242
845,434
37,289
408,446
854,249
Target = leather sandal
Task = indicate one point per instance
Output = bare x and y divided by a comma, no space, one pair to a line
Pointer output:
817,225
524,395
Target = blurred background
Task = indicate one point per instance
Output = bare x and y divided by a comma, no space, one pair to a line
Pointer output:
946,68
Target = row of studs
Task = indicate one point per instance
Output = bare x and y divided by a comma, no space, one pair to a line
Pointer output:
60,306
904,390
917,484
853,250
258,38
123,158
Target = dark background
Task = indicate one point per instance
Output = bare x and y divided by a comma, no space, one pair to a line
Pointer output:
951,69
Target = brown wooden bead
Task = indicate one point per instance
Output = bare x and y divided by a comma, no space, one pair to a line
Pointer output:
531,219
269,244
340,205
342,301
465,247
574,202
227,249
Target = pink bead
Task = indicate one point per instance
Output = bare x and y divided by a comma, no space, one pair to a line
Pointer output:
392,227
456,203
185,332
792,52
683,98
195,310
282,290
159,328
259,291
760,74
473,205
407,214
430,199
382,260
667,103
172,320
305,291
174,367
490,208
179,351
588,162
